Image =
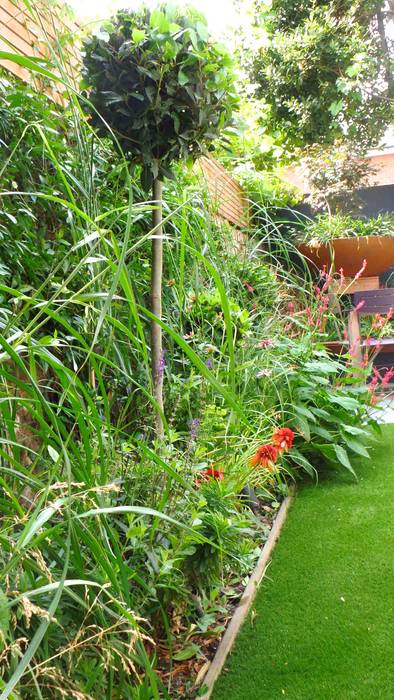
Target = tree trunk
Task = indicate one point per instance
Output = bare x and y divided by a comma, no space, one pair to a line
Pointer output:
388,72
156,291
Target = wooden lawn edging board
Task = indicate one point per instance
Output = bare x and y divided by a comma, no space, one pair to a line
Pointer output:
246,601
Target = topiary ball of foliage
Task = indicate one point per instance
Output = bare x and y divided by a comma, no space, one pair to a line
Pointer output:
165,89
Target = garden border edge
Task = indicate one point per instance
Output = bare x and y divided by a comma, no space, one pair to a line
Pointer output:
246,601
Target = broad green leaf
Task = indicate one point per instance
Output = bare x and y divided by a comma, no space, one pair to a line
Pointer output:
354,430
303,462
335,107
303,411
159,21
138,35
344,401
344,458
303,427
188,652
357,447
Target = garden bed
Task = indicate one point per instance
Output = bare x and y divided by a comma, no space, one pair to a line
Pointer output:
187,676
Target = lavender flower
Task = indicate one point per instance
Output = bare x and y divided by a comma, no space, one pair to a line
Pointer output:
194,426
161,364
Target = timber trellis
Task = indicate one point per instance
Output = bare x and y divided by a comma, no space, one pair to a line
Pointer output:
46,34
51,33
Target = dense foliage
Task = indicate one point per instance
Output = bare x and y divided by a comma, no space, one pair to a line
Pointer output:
162,85
120,557
321,70
325,228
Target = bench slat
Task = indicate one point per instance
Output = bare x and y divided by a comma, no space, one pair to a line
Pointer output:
375,301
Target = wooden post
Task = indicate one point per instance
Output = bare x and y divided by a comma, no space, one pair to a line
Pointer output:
355,338
156,296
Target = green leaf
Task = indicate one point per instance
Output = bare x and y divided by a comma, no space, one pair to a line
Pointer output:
4,616
344,401
53,453
159,21
202,31
344,459
322,432
303,427
325,367
357,447
303,411
353,70
183,79
187,653
138,35
353,430
335,108
303,462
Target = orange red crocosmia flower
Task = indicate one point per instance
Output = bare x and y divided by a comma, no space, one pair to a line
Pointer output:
208,473
265,456
283,439
214,473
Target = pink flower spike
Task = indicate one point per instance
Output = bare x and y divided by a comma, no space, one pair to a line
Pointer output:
360,272
360,305
342,281
376,372
388,377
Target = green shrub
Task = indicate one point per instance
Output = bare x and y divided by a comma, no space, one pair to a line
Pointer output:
327,228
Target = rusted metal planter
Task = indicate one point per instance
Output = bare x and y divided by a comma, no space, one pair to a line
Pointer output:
349,253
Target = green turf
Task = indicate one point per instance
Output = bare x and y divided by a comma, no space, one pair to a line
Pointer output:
322,625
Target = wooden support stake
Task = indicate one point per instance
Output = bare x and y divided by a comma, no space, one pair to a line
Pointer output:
355,338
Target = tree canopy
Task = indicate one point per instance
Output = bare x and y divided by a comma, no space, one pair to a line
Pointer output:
161,84
324,70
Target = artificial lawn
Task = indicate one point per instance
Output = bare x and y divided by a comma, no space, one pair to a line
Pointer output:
322,624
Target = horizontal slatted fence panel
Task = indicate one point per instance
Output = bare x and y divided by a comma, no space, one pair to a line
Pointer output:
378,301
227,195
20,33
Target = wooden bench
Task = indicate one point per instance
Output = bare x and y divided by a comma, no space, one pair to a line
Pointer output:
366,303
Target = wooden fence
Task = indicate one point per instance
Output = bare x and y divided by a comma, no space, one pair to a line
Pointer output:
228,198
47,34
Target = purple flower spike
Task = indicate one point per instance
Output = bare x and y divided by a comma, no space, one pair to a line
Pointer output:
162,364
194,426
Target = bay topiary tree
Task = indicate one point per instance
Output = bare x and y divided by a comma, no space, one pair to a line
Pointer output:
167,91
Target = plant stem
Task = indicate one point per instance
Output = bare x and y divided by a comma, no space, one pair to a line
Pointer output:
156,303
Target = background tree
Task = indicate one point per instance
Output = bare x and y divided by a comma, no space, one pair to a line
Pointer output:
325,70
166,90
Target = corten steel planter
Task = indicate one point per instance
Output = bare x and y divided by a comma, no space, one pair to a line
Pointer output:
349,253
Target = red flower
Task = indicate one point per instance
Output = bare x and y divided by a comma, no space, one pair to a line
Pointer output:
214,473
265,456
283,439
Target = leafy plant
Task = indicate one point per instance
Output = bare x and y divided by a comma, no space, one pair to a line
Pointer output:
166,91
320,71
326,228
